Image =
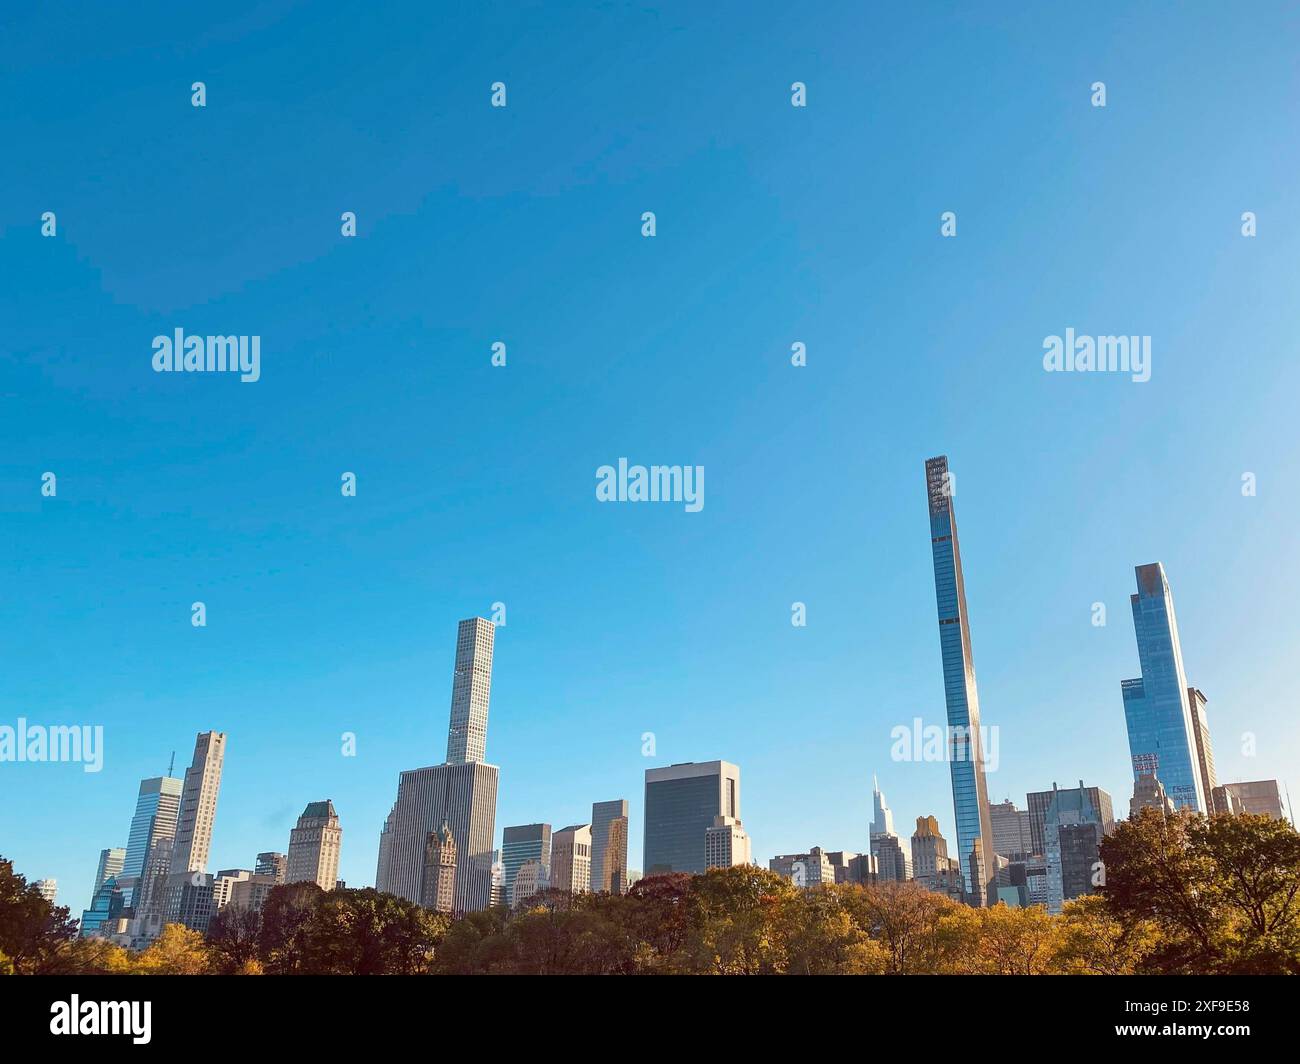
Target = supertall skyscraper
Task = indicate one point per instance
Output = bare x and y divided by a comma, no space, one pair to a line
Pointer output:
1161,729
609,847
199,803
892,861
462,791
965,743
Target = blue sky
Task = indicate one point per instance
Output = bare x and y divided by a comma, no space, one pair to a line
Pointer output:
476,484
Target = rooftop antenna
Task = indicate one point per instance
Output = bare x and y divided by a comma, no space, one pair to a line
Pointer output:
1290,808
171,764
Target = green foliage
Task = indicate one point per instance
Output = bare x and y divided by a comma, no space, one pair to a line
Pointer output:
1182,894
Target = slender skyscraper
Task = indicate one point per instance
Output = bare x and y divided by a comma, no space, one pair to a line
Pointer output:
892,862
1161,730
965,744
462,791
199,804
609,847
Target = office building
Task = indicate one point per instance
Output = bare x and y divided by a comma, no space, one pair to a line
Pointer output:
681,802
106,906
1157,711
807,870
223,885
609,847
726,844
48,889
314,846
965,738
571,859
1012,835
275,865
111,863
1259,797
1149,793
1204,751
462,791
851,867
893,864
251,893
520,844
198,810
529,882
1077,820
151,837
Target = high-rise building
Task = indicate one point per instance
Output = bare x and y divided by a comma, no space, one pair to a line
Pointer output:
1039,801
520,844
571,859
1076,822
681,802
186,898
1260,797
1149,793
151,838
609,847
471,689
965,739
1157,710
893,864
199,804
462,791
223,885
726,843
48,888
929,849
106,906
529,881
314,846
851,867
1012,835
111,862
438,882
1204,751
275,865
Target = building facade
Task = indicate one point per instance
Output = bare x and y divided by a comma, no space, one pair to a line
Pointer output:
609,847
462,791
1259,797
275,865
726,843
438,883
198,810
520,844
1012,834
314,846
1157,711
965,739
892,862
681,802
1076,822
571,859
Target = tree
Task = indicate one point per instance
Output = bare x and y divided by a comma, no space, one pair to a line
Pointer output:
1092,941
905,920
368,932
285,914
234,937
177,951
32,931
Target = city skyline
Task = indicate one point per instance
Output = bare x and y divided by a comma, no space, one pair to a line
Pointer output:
328,615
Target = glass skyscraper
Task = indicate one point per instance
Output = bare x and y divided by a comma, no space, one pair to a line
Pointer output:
681,802
153,832
965,743
1161,732
520,844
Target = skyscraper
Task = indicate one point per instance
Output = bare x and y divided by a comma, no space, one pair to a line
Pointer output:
1076,822
199,804
151,838
462,791
1261,797
965,743
111,862
893,864
1204,751
314,846
1157,710
609,847
1012,837
471,688
680,804
726,844
520,844
49,889
571,859
438,881
270,863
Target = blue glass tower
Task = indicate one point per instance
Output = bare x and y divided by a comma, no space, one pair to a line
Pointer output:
965,743
1161,737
